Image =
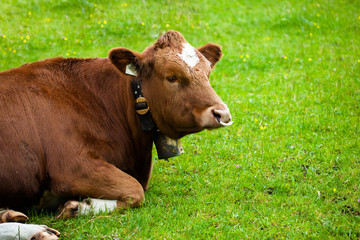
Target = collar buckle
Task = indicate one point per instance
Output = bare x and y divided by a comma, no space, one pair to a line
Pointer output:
141,106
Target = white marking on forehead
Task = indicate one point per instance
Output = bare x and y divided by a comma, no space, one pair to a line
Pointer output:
188,55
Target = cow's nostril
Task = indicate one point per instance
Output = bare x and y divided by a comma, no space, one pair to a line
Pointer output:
217,116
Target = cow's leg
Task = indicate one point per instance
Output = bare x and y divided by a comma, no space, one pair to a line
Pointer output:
109,187
87,206
7,215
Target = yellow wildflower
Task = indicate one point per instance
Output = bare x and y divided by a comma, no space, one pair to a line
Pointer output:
167,25
105,22
91,15
27,37
29,13
142,23
310,59
244,59
256,120
285,57
241,56
239,132
14,51
65,38
4,36
318,15
334,189
261,127
310,34
247,56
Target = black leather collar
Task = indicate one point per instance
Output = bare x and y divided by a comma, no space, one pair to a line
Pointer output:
142,107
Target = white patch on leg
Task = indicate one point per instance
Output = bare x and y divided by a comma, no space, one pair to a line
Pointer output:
20,231
188,55
96,206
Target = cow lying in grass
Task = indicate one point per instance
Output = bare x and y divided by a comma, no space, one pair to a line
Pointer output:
85,127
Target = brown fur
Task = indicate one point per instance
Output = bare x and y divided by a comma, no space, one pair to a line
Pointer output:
69,125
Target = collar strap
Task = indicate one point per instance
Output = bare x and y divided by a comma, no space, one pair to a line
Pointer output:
142,107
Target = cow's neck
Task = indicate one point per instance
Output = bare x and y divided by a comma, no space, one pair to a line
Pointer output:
142,140
127,101
165,146
116,92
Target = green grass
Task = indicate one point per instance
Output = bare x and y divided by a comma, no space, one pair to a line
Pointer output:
289,167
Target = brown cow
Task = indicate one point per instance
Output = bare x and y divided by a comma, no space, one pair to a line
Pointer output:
69,126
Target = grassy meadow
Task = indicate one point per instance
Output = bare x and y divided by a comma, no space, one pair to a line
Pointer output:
289,166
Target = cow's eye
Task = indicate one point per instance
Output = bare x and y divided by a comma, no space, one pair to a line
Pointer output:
171,79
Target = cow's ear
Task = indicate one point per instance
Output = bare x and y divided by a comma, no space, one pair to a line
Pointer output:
212,52
127,61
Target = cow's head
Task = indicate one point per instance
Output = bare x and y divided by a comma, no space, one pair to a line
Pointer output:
175,81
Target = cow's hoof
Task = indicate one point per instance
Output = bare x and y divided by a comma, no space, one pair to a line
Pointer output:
48,234
70,210
12,216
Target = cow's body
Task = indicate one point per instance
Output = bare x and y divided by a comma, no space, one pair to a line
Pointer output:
63,118
69,126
